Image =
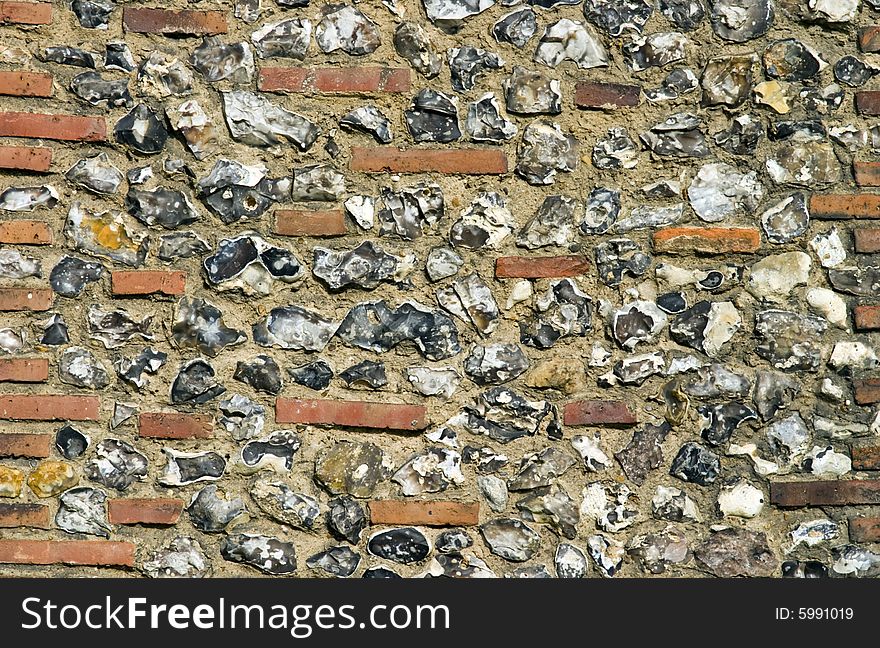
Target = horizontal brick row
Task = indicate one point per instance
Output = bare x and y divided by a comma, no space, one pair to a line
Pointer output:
523,267
26,158
439,513
866,240
360,414
148,282
171,22
305,222
25,84
841,492
106,553
24,370
49,407
25,232
844,206
590,94
866,318
351,80
24,444
599,413
24,515
866,390
160,511
53,127
26,13
26,299
864,529
175,425
866,456
707,240
381,159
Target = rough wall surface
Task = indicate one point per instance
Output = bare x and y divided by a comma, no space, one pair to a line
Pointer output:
450,287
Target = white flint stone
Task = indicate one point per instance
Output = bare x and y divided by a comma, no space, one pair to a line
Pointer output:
852,355
741,500
829,248
826,462
773,278
573,41
828,304
719,190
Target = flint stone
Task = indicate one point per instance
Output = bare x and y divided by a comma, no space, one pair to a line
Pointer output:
195,384
81,510
117,465
510,539
211,510
353,468
735,552
199,324
254,120
270,555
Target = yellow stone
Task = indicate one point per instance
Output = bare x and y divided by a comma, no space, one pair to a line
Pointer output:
11,481
771,93
565,374
51,478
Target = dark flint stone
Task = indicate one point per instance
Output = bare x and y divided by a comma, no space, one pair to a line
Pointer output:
433,117
516,27
741,137
466,63
346,519
853,72
370,120
503,415
696,464
70,275
92,88
375,326
688,327
217,60
199,324
365,266
315,375
294,327
281,443
406,212
619,257
453,541
790,341
774,391
712,281
495,363
485,460
210,513
616,16
686,15
413,44
810,128
804,569
149,360
93,14
71,443
741,20
117,56
565,312
195,384
552,506
232,192
66,55
367,373
262,373
404,545
55,331
602,210
203,465
790,60
165,207
337,561
722,420
643,453
677,136
672,303
142,130
380,572
485,123
285,39
118,465
181,245
269,555
862,282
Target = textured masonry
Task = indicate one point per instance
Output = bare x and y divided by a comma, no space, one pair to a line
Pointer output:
460,288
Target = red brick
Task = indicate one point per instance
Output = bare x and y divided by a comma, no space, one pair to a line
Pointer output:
382,159
864,529
866,390
49,407
148,282
25,158
352,80
866,174
866,240
599,413
868,102
24,515
24,444
440,513
589,94
304,222
25,370
707,240
25,84
53,127
866,318
24,299
26,13
172,425
865,456
843,492
25,232
869,38
152,20
67,552
844,206
519,267
159,510
385,416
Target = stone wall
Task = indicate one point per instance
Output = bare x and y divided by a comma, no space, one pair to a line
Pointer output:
450,287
